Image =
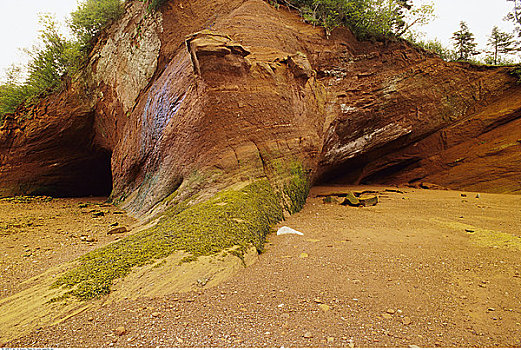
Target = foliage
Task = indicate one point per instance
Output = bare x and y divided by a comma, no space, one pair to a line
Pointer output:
49,61
91,16
55,56
366,18
501,43
12,93
515,15
464,43
153,5
516,72
436,47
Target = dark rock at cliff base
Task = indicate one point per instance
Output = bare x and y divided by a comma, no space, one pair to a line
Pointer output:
117,230
368,201
351,200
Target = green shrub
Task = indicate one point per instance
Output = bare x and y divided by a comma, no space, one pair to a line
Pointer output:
366,18
55,55
12,92
436,47
48,62
90,18
154,5
516,72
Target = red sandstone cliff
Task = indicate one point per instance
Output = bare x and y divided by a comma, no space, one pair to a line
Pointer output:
206,94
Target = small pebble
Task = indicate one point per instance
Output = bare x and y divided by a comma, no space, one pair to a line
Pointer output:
324,307
308,335
120,331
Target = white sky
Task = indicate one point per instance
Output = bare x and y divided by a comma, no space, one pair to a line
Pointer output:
19,22
481,16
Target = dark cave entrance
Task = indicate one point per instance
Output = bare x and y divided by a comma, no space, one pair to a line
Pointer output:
82,174
95,176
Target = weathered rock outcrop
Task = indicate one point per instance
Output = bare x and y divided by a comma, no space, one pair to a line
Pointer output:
206,94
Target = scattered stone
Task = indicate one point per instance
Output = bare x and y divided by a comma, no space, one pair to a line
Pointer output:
406,321
351,200
308,335
318,301
393,191
117,230
491,309
90,319
469,230
430,186
387,316
114,224
303,255
463,195
478,196
368,201
90,239
155,314
284,230
330,339
329,200
390,311
98,214
324,307
120,331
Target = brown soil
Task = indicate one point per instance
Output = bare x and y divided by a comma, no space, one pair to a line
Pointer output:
423,267
36,234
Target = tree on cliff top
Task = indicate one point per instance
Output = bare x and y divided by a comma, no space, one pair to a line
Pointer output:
366,18
464,42
515,15
501,43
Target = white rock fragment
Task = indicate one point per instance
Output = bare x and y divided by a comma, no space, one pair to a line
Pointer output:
284,230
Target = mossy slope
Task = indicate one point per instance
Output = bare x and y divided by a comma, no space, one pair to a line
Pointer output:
231,218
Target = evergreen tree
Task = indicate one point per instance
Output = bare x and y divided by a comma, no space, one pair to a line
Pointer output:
464,43
515,15
501,43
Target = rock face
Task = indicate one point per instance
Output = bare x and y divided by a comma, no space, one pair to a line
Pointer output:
206,94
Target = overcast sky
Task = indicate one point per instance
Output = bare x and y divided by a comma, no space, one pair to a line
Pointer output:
480,15
19,22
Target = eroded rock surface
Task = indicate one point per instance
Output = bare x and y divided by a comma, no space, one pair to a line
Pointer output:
204,95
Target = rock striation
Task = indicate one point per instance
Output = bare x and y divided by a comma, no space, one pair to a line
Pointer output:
204,95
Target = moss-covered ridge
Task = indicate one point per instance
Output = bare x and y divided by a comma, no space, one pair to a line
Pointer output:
232,218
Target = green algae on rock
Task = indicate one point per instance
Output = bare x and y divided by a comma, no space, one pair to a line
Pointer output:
233,218
297,189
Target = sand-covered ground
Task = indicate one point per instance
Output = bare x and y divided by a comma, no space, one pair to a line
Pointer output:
421,268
